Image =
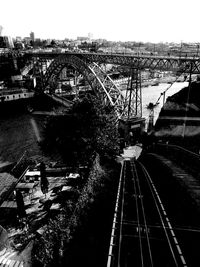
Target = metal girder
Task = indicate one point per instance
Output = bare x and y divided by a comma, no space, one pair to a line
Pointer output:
37,64
111,90
147,62
101,84
165,63
88,65
26,68
133,99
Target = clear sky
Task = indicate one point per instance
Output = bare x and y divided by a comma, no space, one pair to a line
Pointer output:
125,20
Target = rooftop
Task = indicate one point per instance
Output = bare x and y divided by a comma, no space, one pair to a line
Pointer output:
39,208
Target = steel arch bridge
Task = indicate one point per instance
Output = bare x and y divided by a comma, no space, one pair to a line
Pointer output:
101,84
165,63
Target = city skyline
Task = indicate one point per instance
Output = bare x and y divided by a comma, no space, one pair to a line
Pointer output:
146,21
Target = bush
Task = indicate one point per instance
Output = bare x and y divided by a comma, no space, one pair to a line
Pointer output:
87,129
63,234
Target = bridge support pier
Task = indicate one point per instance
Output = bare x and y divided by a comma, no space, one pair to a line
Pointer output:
134,94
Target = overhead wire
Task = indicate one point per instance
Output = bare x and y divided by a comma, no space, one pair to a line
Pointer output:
163,93
187,101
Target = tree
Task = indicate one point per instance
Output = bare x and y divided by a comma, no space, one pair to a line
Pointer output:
20,204
89,127
53,43
43,179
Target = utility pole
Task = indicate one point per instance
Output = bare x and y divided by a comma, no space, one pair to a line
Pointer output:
134,95
188,96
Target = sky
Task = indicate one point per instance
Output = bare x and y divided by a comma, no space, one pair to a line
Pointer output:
114,20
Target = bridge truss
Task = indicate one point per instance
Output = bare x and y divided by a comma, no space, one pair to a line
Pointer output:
88,64
164,63
102,85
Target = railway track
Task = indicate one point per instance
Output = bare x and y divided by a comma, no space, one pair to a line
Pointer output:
142,234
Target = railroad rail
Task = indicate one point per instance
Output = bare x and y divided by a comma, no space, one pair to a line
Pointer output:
142,234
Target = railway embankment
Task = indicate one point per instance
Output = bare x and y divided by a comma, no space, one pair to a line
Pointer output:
172,159
180,194
178,121
173,156
179,189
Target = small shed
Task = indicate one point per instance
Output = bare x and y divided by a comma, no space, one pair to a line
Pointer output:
32,176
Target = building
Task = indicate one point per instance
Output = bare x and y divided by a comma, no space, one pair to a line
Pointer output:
82,39
27,40
90,36
6,42
18,39
1,29
32,36
19,45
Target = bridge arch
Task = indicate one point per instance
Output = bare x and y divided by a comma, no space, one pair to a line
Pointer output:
101,84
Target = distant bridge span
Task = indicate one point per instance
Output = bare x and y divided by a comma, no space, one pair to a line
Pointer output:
98,80
164,63
88,65
48,65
